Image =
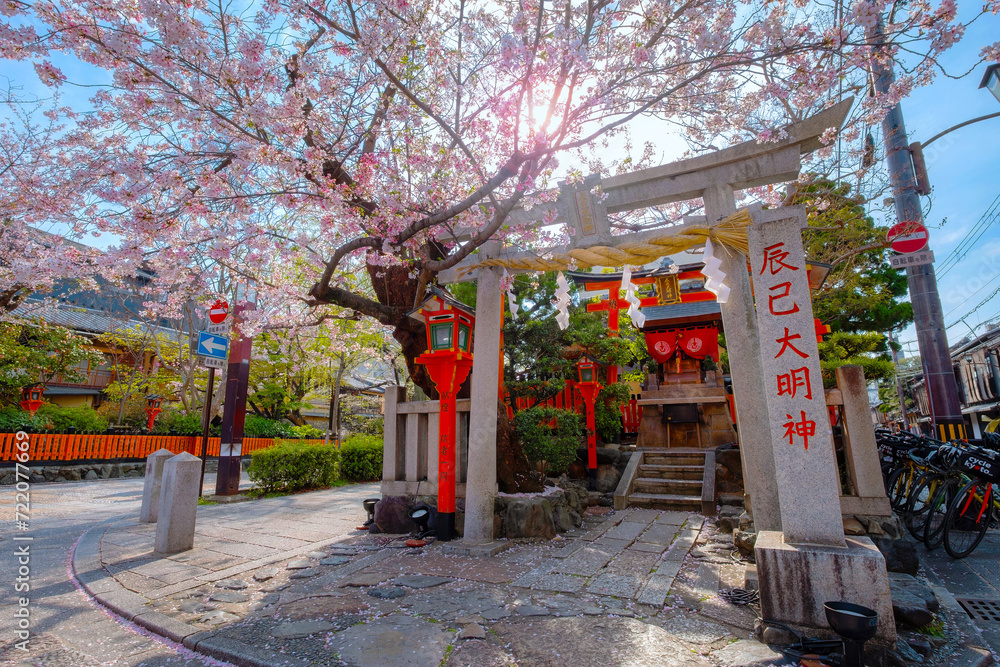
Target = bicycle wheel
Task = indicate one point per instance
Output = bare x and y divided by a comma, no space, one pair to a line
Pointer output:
899,487
937,511
916,507
967,520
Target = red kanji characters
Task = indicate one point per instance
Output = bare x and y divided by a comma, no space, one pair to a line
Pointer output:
776,260
790,382
804,428
786,343
772,297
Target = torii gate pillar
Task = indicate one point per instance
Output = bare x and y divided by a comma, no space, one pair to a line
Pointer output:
739,318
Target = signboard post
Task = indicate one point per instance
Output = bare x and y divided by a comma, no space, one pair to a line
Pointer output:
218,314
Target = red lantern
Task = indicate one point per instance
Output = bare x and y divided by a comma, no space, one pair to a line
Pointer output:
152,409
32,398
589,388
450,325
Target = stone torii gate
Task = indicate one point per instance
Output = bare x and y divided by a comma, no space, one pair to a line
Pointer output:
715,178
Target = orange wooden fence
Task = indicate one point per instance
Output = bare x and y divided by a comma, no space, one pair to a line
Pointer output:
58,447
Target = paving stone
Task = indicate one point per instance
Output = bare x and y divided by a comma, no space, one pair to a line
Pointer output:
694,630
231,584
619,611
656,590
586,561
392,641
421,581
316,554
494,614
617,585
387,592
673,518
271,598
612,545
532,610
229,597
567,550
299,564
335,560
592,611
646,547
472,631
749,653
195,607
466,620
563,583
626,530
683,543
611,641
633,562
265,573
303,574
660,533
217,617
300,629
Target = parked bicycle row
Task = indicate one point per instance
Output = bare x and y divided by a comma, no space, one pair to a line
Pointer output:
945,492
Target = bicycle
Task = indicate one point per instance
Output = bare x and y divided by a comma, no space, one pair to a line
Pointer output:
972,509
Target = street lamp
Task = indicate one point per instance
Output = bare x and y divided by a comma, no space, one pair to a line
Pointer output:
449,325
153,402
32,398
586,368
991,80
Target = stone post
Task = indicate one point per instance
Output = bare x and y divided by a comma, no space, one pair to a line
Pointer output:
390,432
481,484
178,504
859,443
743,346
151,485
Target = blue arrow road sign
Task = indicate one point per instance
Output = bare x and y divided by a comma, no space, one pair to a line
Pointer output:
212,346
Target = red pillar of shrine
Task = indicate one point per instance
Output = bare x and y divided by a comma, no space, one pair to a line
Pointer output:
589,388
448,371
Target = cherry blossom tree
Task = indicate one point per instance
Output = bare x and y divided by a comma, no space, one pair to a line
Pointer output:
344,153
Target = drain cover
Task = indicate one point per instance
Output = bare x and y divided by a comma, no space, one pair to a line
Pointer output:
981,610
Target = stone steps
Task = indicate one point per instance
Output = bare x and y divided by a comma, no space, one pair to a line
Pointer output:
683,487
678,459
672,471
663,501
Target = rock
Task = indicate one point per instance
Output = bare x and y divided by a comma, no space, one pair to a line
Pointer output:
133,474
299,564
910,584
921,646
393,641
217,617
607,478
853,527
744,541
387,592
910,608
421,581
71,474
907,654
529,517
316,554
746,523
91,474
304,574
229,597
532,610
472,631
265,573
300,629
195,607
900,555
777,636
891,529
749,653
562,518
335,560
231,584
391,515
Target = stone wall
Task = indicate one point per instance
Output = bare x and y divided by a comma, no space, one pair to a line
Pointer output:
89,471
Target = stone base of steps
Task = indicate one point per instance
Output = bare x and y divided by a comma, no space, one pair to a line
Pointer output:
687,472
665,501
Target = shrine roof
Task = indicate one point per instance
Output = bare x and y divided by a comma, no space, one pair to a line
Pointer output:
580,277
681,313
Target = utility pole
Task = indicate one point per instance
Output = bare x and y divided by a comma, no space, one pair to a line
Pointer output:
932,339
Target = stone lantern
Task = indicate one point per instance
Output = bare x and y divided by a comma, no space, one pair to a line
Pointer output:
450,325
589,387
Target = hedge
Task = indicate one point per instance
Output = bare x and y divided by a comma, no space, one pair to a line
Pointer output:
291,466
361,458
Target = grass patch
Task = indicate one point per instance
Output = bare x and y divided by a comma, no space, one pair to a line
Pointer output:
202,500
935,628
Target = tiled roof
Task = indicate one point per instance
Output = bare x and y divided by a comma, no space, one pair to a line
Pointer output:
83,320
680,310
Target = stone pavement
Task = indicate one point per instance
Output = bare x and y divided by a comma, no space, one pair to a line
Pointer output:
290,581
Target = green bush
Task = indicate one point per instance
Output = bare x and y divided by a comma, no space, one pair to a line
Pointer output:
134,416
180,423
256,426
361,458
306,431
83,418
14,419
549,437
363,424
608,411
291,466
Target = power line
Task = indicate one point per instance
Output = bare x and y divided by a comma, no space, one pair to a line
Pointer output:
967,243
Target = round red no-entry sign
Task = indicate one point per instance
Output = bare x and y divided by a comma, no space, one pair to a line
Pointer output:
907,237
218,312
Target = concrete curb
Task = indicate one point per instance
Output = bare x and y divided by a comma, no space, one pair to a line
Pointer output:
105,590
969,654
